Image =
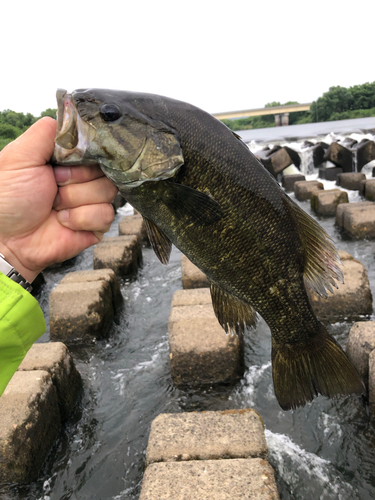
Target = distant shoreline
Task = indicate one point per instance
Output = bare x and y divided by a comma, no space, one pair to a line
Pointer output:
308,130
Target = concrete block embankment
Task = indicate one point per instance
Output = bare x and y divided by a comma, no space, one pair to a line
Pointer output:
192,277
122,254
357,219
288,181
278,158
350,180
133,225
40,395
360,349
82,306
304,189
208,455
326,202
200,350
351,300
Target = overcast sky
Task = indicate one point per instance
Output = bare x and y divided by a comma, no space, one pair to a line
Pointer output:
219,55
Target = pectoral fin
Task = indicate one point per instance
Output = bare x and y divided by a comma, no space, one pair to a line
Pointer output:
159,242
184,201
232,313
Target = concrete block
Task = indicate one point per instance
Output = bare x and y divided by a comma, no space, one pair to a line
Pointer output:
365,153
343,207
361,342
350,300
350,180
340,156
369,190
330,174
30,422
200,350
133,224
208,435
288,181
191,297
358,220
303,189
80,311
192,277
326,202
122,254
371,382
107,275
237,479
55,359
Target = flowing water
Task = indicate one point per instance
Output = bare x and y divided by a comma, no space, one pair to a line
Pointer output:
325,450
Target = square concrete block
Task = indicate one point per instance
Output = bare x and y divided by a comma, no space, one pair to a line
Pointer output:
350,180
54,358
192,277
80,311
191,297
29,424
200,350
133,225
358,220
350,300
210,435
237,479
360,344
288,181
346,208
303,189
326,202
123,254
98,275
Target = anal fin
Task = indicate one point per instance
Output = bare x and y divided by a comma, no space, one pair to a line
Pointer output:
231,312
161,245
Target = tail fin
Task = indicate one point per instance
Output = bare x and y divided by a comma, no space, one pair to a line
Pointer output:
303,371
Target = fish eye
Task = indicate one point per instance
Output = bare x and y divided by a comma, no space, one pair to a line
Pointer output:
110,112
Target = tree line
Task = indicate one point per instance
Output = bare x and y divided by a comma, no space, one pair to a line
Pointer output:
339,103
13,124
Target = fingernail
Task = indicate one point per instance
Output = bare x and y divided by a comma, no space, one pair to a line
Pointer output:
63,215
62,174
56,203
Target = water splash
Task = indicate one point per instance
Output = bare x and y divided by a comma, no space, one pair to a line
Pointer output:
305,474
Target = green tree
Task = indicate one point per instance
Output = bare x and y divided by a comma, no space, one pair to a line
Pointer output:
49,112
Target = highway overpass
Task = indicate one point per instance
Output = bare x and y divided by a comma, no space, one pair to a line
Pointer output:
281,112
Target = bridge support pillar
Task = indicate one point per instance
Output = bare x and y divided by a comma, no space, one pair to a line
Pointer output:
285,119
277,120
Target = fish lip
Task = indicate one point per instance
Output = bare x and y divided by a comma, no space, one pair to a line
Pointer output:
71,131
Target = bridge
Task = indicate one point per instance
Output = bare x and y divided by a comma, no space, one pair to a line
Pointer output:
281,113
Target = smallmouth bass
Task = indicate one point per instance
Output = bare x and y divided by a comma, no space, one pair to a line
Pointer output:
198,186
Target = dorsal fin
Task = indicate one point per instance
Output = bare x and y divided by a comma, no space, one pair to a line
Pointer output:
159,242
321,258
232,313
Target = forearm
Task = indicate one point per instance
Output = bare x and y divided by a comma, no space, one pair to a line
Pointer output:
21,324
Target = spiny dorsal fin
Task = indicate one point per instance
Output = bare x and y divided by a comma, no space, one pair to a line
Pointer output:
159,242
322,260
232,313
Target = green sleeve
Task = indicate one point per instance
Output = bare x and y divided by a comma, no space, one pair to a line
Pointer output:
21,324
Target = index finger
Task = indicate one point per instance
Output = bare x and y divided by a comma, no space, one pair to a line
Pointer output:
76,174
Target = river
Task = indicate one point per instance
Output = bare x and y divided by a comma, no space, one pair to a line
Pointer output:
325,450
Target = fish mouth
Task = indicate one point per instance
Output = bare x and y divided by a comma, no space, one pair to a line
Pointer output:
73,134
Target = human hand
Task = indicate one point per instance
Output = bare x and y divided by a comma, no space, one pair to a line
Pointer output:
47,214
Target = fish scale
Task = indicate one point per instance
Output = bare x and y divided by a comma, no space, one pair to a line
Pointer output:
208,195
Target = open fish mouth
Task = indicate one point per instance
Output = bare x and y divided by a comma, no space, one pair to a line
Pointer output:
73,134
